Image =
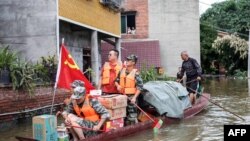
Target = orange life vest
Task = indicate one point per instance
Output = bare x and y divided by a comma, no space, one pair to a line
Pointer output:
127,82
87,112
106,72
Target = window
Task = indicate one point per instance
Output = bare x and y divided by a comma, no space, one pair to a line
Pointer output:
128,25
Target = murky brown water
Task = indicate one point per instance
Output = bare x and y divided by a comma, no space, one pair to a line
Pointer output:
207,126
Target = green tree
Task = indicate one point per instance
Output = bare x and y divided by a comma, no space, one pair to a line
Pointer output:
208,54
232,52
229,16
232,16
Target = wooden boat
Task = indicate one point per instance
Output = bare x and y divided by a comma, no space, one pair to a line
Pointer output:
200,105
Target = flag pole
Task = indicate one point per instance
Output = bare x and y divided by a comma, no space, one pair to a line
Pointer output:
57,76
53,100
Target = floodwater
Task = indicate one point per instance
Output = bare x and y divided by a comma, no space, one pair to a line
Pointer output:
232,94
208,125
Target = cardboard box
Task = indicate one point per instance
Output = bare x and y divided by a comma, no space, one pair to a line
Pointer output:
114,124
117,113
113,101
45,128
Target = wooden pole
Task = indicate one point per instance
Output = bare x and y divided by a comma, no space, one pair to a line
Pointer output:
248,66
248,71
213,102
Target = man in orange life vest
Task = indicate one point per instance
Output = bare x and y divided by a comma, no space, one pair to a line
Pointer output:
109,73
85,112
129,82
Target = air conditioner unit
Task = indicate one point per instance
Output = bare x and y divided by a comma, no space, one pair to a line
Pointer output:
104,2
113,4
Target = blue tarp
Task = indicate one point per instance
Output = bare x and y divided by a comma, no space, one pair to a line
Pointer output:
168,97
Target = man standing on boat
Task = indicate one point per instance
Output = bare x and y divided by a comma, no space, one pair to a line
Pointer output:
193,72
84,112
109,73
129,82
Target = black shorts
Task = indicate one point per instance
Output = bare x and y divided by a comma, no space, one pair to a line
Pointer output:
192,87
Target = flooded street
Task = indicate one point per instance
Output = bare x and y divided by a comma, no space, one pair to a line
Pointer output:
206,126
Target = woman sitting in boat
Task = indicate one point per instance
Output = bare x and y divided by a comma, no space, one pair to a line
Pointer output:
84,112
129,82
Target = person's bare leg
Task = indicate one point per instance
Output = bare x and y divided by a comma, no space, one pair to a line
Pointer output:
72,132
194,100
75,138
191,98
78,131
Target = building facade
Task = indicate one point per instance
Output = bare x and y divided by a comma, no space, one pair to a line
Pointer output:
29,27
84,24
135,35
174,24
35,28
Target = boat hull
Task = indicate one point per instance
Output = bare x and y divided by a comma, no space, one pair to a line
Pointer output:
200,105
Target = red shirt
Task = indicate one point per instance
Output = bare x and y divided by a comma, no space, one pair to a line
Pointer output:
110,88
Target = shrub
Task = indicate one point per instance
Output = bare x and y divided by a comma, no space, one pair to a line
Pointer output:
6,58
22,74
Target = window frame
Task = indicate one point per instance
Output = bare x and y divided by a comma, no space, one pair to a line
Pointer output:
125,24
125,14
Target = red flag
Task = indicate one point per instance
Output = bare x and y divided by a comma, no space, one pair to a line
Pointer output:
68,71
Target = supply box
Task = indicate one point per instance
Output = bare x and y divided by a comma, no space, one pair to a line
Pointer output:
45,128
117,113
113,101
114,124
